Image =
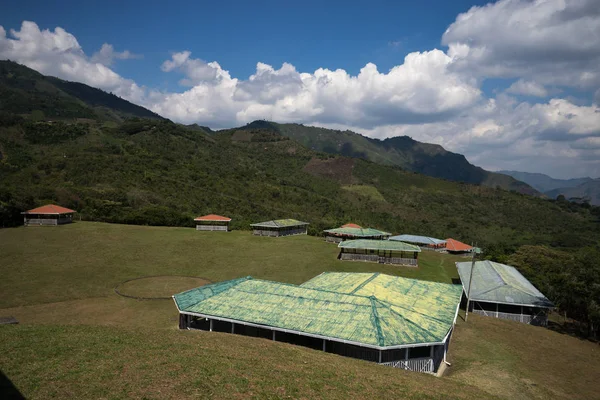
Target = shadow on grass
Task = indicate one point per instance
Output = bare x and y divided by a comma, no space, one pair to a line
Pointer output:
571,328
8,391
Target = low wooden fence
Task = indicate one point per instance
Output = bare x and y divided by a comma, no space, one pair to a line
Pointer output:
424,364
379,259
47,221
539,320
211,228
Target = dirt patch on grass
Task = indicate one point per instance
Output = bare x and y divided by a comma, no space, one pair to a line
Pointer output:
158,287
338,169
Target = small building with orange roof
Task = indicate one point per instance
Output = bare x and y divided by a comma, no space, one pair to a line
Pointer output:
212,222
49,215
351,225
455,247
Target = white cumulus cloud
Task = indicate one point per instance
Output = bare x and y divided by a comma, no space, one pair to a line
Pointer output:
433,96
107,54
549,41
528,88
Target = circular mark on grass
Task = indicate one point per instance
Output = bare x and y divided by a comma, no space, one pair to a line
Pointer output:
158,287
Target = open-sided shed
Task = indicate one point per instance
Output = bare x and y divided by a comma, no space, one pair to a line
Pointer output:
500,291
425,242
381,251
280,227
395,321
50,215
455,247
212,222
337,235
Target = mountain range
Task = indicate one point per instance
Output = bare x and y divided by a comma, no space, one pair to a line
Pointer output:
113,161
401,151
576,189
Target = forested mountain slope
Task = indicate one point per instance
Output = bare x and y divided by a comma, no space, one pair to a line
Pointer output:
25,91
402,151
545,183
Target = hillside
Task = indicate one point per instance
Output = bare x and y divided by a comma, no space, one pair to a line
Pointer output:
152,171
25,91
402,151
587,191
74,328
544,183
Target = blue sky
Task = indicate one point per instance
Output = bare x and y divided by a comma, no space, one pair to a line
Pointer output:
238,34
511,84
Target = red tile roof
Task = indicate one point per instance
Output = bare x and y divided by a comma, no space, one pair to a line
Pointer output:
212,217
351,225
455,245
50,209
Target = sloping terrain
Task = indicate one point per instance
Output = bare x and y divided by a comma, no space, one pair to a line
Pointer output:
74,328
402,151
544,183
25,91
585,192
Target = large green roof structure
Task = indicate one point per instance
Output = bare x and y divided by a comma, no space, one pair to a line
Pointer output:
279,223
423,240
370,310
357,232
385,245
499,283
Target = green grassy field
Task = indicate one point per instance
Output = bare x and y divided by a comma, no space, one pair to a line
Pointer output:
77,338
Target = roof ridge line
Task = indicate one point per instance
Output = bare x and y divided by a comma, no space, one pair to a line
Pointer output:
308,298
410,321
375,321
362,285
390,305
311,288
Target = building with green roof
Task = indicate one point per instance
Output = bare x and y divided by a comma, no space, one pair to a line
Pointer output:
338,235
280,227
380,251
500,291
391,320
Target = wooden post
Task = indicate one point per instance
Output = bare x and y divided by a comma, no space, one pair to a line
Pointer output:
431,351
496,310
210,325
324,344
470,281
232,327
521,313
379,356
274,335
406,355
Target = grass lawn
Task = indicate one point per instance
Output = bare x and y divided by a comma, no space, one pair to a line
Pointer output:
77,338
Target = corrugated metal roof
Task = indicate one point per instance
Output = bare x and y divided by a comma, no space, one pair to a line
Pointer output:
280,223
50,209
500,283
455,245
378,245
212,217
356,232
418,239
370,309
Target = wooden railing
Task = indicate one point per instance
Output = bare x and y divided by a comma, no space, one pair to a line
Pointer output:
540,319
333,239
289,232
211,228
396,260
379,259
42,221
360,257
415,364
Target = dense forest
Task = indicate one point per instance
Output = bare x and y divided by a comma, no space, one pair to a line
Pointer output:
114,167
